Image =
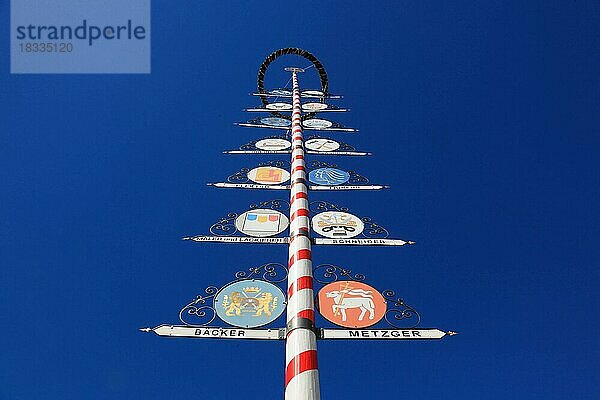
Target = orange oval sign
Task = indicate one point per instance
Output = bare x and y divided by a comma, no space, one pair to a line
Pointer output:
351,304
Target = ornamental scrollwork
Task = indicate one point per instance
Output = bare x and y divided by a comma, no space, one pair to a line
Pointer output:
373,230
199,312
276,204
271,272
224,226
398,310
322,206
240,176
327,273
357,179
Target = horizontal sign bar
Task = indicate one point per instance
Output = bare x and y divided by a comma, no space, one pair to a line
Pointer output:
393,334
290,110
329,96
362,242
286,187
306,128
216,332
257,152
238,239
347,187
339,153
248,186
262,126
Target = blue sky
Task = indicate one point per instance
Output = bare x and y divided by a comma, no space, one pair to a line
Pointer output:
483,117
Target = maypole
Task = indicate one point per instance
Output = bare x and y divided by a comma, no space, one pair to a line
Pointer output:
256,297
301,373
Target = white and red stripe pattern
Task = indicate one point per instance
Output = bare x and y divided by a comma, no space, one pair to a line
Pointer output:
301,373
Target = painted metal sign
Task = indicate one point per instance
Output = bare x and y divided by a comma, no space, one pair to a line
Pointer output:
216,332
317,123
273,144
279,106
351,304
268,175
385,334
337,224
314,107
249,303
313,93
322,145
362,242
288,93
261,222
276,121
328,176
238,239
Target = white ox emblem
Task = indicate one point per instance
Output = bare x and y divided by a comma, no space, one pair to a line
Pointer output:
363,301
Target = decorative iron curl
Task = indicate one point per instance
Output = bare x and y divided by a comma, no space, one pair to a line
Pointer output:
271,272
320,164
356,178
327,273
241,176
199,309
276,204
373,230
225,226
398,310
322,206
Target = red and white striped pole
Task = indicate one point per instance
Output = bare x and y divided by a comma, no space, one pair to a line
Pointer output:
301,372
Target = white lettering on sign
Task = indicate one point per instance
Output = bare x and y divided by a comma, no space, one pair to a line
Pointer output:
248,186
398,334
362,242
216,332
348,187
238,239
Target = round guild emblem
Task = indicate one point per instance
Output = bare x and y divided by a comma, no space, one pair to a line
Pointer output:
337,225
351,304
279,106
273,144
276,121
322,144
261,222
249,303
317,123
268,175
312,107
328,176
